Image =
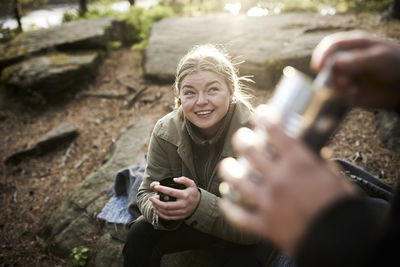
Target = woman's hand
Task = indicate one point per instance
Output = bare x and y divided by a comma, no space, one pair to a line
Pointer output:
186,202
366,69
285,186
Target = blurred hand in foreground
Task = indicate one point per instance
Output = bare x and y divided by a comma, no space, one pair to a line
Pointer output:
292,184
366,69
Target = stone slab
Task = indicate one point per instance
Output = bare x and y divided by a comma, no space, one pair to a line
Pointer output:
52,73
265,44
74,222
83,34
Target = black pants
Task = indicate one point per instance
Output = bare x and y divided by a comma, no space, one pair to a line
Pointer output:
145,246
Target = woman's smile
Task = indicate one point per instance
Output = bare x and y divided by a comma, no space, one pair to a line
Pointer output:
203,113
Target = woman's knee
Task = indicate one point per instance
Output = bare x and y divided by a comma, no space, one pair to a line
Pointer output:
141,236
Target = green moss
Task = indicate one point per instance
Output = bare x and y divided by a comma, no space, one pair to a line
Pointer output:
58,59
114,45
13,50
7,72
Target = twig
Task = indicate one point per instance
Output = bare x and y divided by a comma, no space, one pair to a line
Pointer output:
136,97
105,95
130,88
14,199
66,155
77,165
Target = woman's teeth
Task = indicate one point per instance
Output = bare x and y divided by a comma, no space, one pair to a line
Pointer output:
203,112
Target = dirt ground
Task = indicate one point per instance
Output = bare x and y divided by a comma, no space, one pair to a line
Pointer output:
32,190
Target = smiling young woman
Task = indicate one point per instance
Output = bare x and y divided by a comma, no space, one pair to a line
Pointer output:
187,145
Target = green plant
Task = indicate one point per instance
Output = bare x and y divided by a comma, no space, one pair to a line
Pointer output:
142,20
79,256
139,20
114,44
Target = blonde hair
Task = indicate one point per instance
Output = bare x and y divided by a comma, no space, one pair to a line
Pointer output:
209,57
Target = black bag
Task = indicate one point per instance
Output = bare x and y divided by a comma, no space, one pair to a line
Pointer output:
371,185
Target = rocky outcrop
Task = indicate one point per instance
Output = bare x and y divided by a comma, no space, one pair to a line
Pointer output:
75,223
77,35
58,59
265,44
62,134
52,73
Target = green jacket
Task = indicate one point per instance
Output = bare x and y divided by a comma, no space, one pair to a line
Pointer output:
170,155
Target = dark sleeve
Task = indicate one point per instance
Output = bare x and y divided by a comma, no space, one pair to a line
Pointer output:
343,234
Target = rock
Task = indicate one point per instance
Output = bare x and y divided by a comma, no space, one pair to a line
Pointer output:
83,34
62,134
389,130
78,233
79,211
52,73
109,252
266,44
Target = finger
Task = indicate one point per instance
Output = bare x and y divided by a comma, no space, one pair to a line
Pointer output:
167,207
337,42
168,190
232,172
185,181
154,184
167,214
252,146
358,61
244,189
242,218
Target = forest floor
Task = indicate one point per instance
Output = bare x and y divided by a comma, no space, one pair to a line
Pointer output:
33,189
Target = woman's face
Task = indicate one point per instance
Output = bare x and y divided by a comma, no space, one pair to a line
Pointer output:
205,99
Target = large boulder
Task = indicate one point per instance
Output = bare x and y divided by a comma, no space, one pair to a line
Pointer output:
265,44
52,73
85,34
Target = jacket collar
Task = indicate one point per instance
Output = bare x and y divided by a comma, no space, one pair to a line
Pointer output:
199,140
175,133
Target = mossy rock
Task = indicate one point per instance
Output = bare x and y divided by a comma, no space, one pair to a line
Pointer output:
52,73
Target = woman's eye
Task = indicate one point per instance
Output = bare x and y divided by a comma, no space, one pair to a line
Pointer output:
188,93
214,89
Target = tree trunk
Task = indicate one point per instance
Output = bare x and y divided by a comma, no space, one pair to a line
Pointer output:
396,6
132,2
17,13
82,7
393,12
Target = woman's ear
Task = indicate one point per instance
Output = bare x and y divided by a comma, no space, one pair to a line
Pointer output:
232,91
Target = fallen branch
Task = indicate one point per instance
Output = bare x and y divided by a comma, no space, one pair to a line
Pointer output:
130,88
136,98
104,95
66,155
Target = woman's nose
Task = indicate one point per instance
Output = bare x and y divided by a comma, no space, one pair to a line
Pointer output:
202,99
